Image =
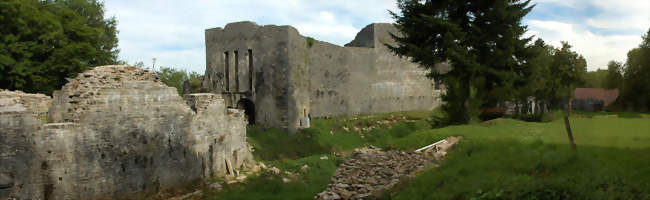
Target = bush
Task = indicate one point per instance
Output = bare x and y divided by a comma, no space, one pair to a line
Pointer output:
540,117
438,118
310,41
492,113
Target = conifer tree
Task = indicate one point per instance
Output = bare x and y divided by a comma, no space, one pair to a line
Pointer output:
481,40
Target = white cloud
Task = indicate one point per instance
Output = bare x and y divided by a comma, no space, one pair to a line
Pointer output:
626,15
601,30
597,49
173,31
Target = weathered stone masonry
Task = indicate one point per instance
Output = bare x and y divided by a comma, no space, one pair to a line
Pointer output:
115,131
288,77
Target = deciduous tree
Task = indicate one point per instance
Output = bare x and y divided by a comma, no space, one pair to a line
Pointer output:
44,42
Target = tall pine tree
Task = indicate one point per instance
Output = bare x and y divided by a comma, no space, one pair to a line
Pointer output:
481,40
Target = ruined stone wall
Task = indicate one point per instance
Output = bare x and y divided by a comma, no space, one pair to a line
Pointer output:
295,77
117,131
269,75
365,77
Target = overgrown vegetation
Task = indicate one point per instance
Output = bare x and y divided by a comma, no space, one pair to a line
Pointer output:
44,42
181,79
310,41
497,159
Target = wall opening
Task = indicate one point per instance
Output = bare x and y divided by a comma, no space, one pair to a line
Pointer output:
226,67
250,70
236,71
249,109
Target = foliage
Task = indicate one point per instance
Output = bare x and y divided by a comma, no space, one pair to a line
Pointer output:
568,68
194,79
482,40
177,78
596,79
614,77
44,42
310,41
438,118
172,77
635,92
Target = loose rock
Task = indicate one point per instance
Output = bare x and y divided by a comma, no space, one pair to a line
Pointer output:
370,170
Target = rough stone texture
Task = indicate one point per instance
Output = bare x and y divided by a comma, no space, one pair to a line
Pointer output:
37,104
117,131
370,170
290,77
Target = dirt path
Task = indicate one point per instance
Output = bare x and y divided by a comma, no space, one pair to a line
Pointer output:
370,170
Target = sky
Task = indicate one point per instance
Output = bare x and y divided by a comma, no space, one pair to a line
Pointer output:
172,31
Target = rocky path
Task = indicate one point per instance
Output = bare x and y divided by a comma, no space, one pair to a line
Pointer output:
370,170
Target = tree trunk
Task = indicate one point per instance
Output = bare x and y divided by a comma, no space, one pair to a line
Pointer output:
570,104
466,89
567,125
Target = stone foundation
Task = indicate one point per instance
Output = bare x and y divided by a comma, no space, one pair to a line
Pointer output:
115,131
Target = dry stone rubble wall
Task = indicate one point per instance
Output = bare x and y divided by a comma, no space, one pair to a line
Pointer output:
115,131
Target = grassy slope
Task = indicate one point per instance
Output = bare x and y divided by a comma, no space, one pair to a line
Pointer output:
510,159
503,158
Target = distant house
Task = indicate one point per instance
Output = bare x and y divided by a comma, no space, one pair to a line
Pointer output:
593,99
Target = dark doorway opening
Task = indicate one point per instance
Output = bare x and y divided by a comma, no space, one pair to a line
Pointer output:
249,109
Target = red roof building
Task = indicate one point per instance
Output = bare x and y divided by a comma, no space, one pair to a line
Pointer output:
606,96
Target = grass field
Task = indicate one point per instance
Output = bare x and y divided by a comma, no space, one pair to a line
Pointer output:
497,159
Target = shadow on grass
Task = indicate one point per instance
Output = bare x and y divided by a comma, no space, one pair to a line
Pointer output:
509,169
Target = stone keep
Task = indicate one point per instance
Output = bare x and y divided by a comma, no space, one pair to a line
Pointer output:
116,131
280,77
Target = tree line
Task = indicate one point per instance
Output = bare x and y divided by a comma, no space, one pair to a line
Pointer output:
182,80
492,62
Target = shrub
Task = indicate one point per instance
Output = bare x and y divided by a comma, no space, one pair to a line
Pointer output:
310,41
438,118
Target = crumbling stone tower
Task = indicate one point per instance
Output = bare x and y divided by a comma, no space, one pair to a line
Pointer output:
281,78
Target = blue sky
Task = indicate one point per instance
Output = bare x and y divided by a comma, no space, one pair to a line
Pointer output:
172,30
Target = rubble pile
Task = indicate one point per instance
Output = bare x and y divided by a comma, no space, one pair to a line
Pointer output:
370,170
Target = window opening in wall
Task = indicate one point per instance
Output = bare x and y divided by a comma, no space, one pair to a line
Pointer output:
436,84
250,70
236,71
226,67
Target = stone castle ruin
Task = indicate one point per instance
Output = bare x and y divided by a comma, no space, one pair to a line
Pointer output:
114,131
281,78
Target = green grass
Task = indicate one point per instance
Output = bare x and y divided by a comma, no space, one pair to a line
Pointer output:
498,159
270,186
509,159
